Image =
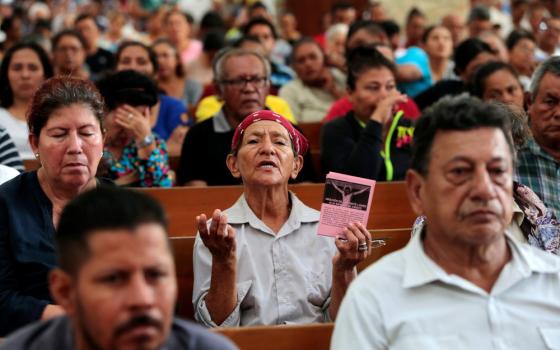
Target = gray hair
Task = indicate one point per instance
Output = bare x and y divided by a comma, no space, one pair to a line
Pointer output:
224,55
551,65
336,29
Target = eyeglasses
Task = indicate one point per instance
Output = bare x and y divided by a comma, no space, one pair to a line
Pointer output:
257,82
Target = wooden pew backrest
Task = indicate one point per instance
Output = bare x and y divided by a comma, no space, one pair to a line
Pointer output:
183,248
313,133
390,206
300,337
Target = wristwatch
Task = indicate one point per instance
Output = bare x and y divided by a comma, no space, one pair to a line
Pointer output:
147,141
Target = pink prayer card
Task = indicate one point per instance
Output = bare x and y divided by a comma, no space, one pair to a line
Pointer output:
347,199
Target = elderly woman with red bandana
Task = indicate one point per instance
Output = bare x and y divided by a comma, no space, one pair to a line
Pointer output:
261,261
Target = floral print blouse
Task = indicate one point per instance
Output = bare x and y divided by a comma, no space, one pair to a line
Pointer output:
540,227
152,172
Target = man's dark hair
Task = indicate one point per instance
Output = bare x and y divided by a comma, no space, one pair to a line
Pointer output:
341,6
414,12
106,208
85,16
257,5
214,40
478,13
460,113
369,26
478,81
516,36
128,87
260,21
466,51
212,21
364,58
302,41
390,27
68,32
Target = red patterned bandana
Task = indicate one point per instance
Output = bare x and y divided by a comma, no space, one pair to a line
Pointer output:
300,143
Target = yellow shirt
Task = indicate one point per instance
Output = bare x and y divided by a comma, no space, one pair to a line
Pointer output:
210,106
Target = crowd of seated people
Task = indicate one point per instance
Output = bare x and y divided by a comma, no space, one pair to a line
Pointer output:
463,108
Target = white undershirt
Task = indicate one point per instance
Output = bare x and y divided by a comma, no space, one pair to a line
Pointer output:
18,131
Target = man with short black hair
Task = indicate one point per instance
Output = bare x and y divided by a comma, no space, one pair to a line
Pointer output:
478,21
265,31
98,59
343,12
539,160
69,54
116,281
463,282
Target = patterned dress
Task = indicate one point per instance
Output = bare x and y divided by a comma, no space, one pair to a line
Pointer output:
539,226
152,172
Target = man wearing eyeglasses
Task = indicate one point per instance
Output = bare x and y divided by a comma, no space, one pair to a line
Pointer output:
241,78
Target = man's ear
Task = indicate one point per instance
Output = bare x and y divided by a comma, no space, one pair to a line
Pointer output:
298,165
414,187
62,290
231,162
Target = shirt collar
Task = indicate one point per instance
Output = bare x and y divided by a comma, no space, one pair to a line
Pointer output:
421,270
220,123
241,213
518,214
535,148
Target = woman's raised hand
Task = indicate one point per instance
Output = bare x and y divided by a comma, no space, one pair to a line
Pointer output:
354,249
219,238
385,107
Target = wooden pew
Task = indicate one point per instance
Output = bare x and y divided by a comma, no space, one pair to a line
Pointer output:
183,248
389,240
313,133
300,337
390,206
183,253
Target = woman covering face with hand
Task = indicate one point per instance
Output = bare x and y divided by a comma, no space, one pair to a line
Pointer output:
134,155
168,117
373,140
267,241
65,124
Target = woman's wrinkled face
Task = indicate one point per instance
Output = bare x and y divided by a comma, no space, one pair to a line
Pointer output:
25,73
265,156
70,146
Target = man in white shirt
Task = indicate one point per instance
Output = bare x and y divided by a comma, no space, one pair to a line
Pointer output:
462,283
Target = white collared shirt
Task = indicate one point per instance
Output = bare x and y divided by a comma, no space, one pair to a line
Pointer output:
281,278
407,301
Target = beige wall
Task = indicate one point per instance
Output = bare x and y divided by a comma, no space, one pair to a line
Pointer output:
434,9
